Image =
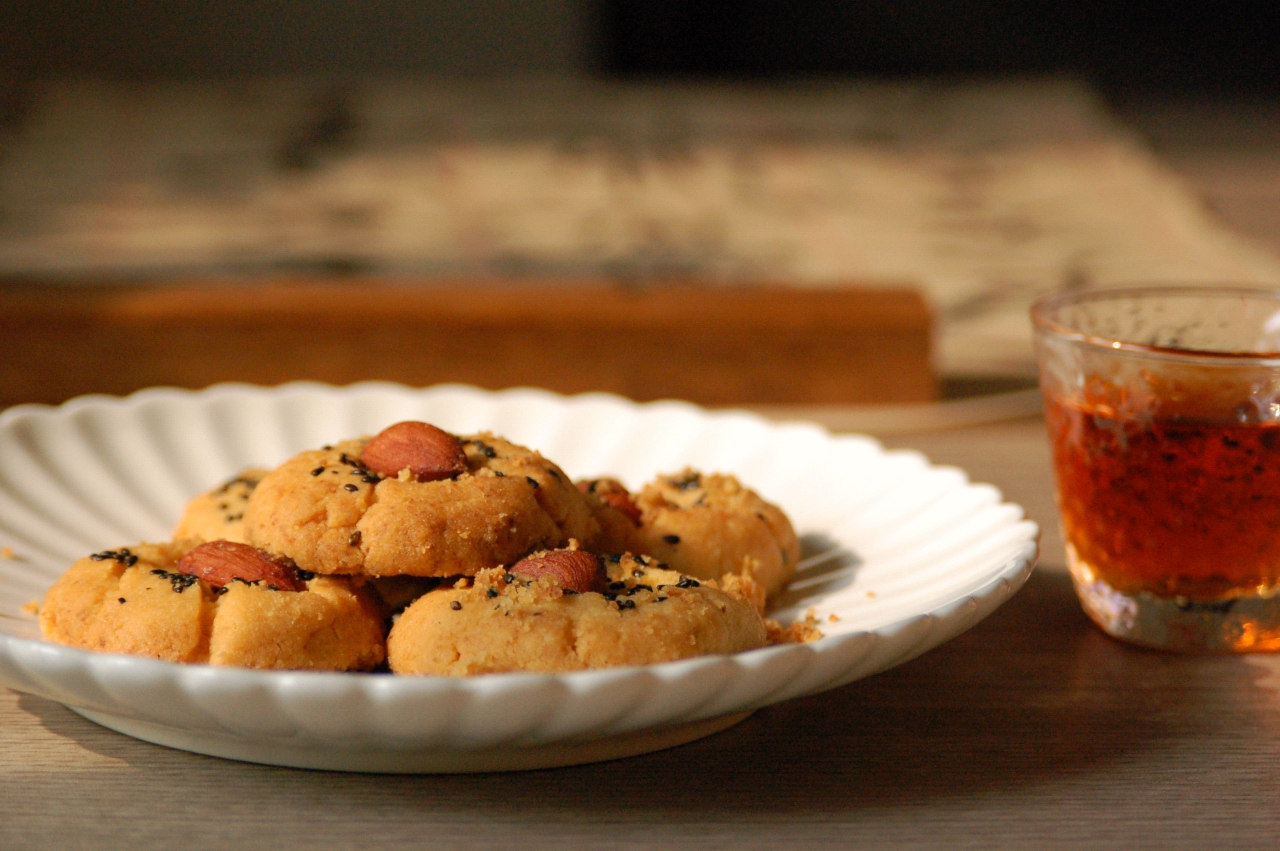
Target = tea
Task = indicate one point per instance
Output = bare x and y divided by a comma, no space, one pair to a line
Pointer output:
1166,504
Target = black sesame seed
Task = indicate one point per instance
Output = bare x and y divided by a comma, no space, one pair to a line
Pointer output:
485,448
637,573
305,575
352,488
671,539
686,582
508,578
372,480
121,599
614,558
626,604
569,591
617,586
456,606
351,462
122,556
658,599
354,540
500,474
491,593
690,481
532,481
317,471
326,447
179,581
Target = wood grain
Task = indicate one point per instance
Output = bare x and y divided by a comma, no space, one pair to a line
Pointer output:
713,345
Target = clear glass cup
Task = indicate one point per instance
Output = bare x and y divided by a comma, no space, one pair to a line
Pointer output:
1163,409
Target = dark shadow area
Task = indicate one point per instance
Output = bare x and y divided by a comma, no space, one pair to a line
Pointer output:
1117,45
1031,695
825,567
152,39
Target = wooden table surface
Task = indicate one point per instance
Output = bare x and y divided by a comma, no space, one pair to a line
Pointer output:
1031,730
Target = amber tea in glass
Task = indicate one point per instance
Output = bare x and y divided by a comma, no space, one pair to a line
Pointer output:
1163,410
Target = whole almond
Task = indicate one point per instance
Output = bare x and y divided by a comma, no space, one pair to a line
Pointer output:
429,453
573,570
217,563
613,493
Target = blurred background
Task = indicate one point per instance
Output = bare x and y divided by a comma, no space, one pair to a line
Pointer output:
975,153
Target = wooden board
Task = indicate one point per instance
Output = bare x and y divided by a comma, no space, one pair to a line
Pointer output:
712,345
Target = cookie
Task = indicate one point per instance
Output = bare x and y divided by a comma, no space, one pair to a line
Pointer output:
332,513
616,514
218,515
136,600
707,525
501,621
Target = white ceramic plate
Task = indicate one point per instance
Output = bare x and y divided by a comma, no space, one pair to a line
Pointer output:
901,556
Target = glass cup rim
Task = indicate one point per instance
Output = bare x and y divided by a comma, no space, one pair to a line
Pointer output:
1044,307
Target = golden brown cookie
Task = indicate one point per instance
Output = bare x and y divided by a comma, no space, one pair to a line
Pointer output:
708,525
135,600
617,515
330,512
502,621
219,513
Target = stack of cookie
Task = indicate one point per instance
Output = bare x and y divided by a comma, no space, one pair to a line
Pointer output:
432,553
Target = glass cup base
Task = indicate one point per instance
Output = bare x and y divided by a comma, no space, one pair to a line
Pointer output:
1243,624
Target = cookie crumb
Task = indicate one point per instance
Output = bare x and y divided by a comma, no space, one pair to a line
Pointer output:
794,633
833,618
7,553
31,607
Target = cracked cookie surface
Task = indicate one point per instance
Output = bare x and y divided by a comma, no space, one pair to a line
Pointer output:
710,525
331,514
499,622
134,600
